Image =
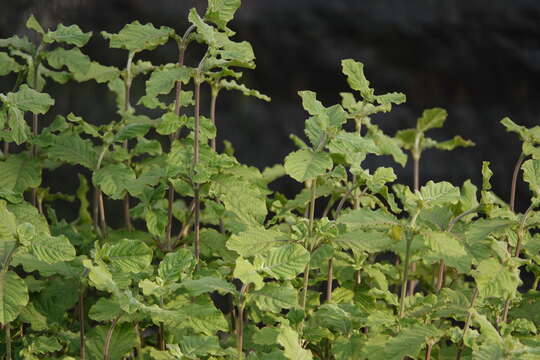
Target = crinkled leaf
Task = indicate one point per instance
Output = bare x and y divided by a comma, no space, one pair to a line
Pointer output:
247,273
13,296
274,297
208,284
254,241
27,99
71,34
354,71
73,59
73,150
284,262
220,12
112,179
431,119
495,279
128,255
8,64
288,338
136,37
20,172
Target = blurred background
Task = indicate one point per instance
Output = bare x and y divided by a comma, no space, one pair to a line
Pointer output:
478,59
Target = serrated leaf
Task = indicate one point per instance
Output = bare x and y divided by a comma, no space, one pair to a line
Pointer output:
174,264
73,59
19,173
113,179
444,246
441,193
431,119
52,249
71,34
495,279
285,262
220,12
13,296
27,99
254,241
305,164
274,297
8,64
73,150
104,310
136,37
208,284
365,218
354,71
128,255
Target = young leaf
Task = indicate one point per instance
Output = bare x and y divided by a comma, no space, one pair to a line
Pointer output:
73,150
174,264
356,78
27,99
288,338
33,24
52,249
366,218
8,64
431,119
531,174
71,34
441,193
247,273
220,12
113,179
495,279
13,296
136,37
73,59
305,164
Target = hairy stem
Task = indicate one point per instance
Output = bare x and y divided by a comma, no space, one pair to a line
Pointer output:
429,347
107,344
467,324
127,84
102,221
311,216
240,322
406,264
514,181
182,46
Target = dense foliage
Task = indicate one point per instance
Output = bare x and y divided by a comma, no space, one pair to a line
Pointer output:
211,263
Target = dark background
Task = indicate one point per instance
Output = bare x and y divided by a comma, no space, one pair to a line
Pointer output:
479,59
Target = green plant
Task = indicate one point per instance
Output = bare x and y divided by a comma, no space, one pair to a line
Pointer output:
212,264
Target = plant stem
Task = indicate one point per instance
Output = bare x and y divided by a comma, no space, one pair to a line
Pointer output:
95,209
107,344
514,181
517,251
127,95
102,221
311,216
6,148
467,324
196,130
7,329
182,46
138,345
330,279
406,265
215,93
428,351
82,323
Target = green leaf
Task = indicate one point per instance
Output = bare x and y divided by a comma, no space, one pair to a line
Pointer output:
8,225
274,297
71,34
284,262
122,341
495,279
208,284
98,72
310,103
136,37
196,346
431,119
8,64
447,247
409,342
162,81
128,255
113,179
52,249
441,193
354,71
305,164
254,241
361,240
74,150
73,59
176,263
131,131
233,85
531,174
27,99
247,273
33,24
20,173
366,218
456,141
13,296
18,43
220,12
104,310
288,338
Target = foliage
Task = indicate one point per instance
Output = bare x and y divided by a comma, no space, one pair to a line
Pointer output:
211,263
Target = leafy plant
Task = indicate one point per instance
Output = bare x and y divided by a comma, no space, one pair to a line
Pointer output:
210,263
